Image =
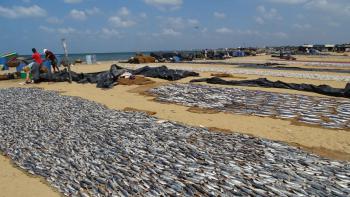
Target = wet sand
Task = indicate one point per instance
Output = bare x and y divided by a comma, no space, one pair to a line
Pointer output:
329,143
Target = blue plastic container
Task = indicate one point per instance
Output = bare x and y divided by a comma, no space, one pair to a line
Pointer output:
2,60
176,59
47,63
20,67
238,54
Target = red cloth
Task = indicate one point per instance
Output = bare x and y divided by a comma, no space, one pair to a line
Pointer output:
36,56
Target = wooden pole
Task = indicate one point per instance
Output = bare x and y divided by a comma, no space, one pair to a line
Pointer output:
65,61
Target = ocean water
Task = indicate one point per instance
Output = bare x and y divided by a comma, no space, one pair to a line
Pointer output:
105,56
99,56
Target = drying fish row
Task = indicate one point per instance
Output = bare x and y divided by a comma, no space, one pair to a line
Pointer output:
322,111
305,63
84,149
274,73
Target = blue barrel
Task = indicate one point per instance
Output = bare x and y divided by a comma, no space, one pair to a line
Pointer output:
177,59
47,63
2,60
20,67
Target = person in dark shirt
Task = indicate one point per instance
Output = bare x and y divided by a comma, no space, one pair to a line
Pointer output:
52,58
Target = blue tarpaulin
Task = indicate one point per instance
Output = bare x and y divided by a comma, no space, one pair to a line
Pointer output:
176,59
238,54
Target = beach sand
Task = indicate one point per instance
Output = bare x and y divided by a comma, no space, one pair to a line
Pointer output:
16,183
330,143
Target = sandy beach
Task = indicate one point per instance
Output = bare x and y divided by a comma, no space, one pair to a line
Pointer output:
328,143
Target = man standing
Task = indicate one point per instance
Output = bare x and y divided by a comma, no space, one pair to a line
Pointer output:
50,56
36,57
35,68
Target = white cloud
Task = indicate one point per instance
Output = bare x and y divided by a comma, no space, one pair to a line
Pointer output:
302,26
178,23
73,1
110,32
279,35
193,22
175,22
46,29
21,12
170,32
77,14
120,22
54,20
92,11
122,19
300,16
261,9
259,20
288,1
61,30
224,30
248,32
219,15
267,14
68,30
163,4
143,15
123,11
333,24
333,7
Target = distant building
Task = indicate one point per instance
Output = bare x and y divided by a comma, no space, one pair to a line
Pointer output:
317,47
342,47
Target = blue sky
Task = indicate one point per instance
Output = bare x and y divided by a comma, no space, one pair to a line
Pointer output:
141,25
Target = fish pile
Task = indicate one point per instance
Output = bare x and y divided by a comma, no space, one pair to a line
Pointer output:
321,111
83,148
317,64
305,63
273,73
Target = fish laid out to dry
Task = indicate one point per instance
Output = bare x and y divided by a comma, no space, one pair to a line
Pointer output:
85,149
321,111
